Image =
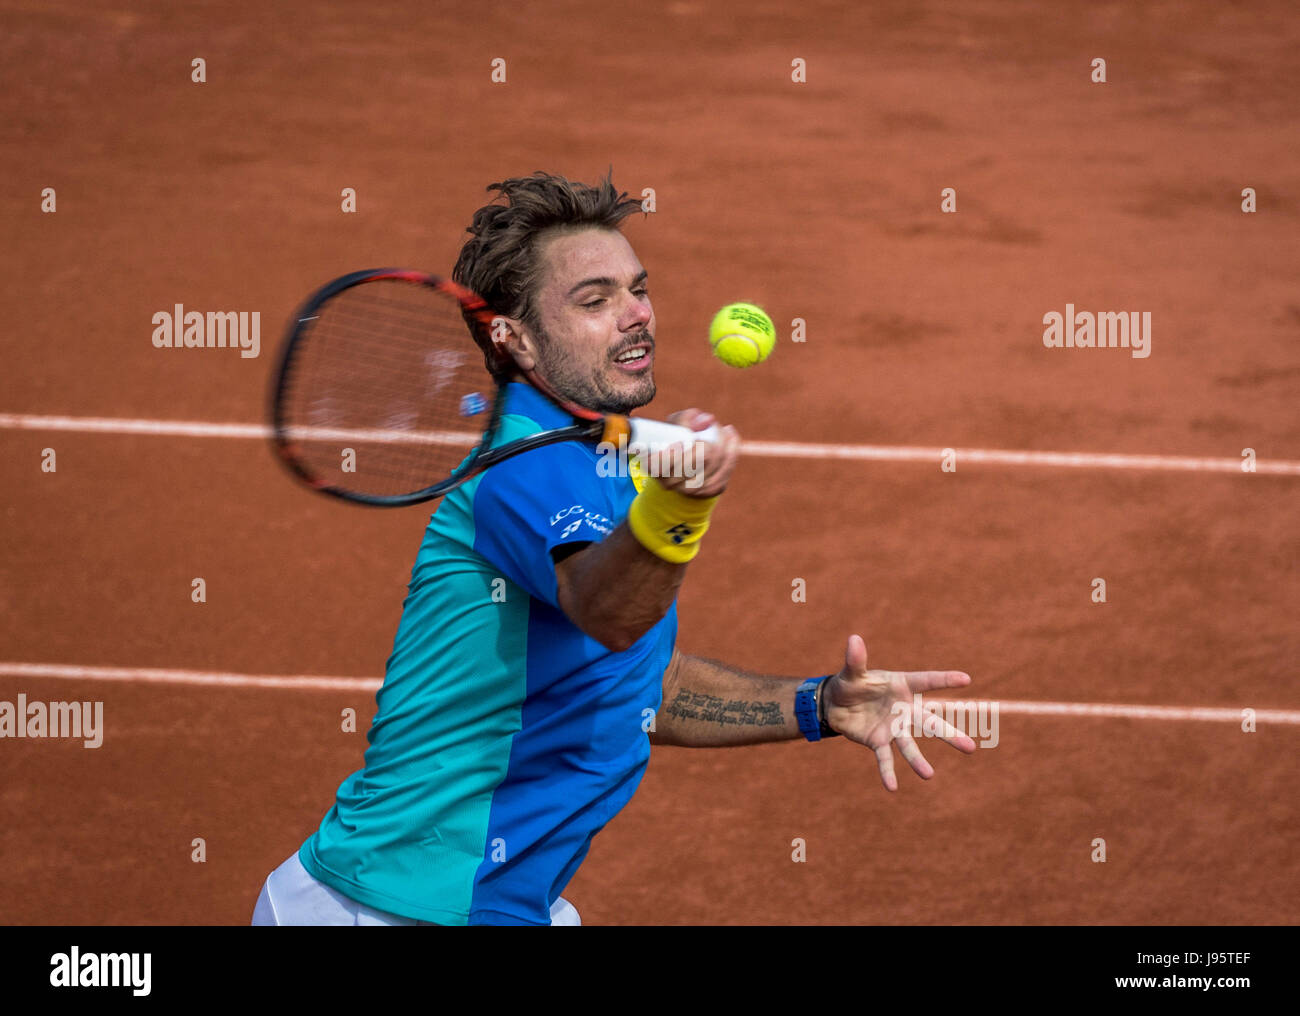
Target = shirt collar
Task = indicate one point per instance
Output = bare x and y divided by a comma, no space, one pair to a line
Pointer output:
524,400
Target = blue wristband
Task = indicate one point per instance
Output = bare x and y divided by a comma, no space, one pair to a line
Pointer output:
805,708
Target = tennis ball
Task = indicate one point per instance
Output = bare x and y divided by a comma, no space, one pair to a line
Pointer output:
741,335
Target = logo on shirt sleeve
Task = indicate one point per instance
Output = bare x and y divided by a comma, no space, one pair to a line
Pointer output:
577,517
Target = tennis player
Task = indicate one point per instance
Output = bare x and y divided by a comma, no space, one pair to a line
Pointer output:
536,659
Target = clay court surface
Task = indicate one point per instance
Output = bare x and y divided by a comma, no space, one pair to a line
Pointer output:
817,200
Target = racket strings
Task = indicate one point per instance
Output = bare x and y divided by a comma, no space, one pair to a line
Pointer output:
387,393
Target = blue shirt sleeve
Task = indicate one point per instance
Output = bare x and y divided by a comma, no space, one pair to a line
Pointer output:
527,506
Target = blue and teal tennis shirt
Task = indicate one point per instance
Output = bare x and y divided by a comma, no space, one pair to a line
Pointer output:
505,738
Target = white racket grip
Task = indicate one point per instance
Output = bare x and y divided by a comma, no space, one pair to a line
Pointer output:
654,435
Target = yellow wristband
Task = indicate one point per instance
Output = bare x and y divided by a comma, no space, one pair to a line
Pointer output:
667,523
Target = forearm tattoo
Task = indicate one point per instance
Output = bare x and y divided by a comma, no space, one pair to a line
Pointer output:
692,705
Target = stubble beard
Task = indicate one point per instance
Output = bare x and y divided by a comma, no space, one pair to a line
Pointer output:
590,391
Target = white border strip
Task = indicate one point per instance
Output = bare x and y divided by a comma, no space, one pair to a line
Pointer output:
763,449
151,675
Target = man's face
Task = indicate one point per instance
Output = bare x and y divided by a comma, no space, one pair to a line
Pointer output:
596,341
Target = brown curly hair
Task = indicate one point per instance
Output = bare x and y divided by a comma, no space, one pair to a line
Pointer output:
501,261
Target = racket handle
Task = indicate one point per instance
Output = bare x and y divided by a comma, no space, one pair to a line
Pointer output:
641,436
654,436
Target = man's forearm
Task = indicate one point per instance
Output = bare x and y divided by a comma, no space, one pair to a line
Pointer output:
710,704
616,590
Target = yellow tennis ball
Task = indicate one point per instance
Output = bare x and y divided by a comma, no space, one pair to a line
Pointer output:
742,335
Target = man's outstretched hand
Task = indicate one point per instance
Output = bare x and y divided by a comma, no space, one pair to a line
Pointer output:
875,707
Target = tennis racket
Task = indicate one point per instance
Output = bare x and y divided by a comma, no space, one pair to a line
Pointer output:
381,397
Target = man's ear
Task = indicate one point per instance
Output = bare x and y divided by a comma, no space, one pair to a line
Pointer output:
514,340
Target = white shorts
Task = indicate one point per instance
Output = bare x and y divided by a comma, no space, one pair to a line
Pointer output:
292,896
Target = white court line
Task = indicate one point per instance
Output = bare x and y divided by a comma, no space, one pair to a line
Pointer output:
110,425
151,675
181,428
1134,712
159,675
762,449
1008,457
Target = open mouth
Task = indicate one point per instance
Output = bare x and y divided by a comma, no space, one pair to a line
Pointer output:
635,358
